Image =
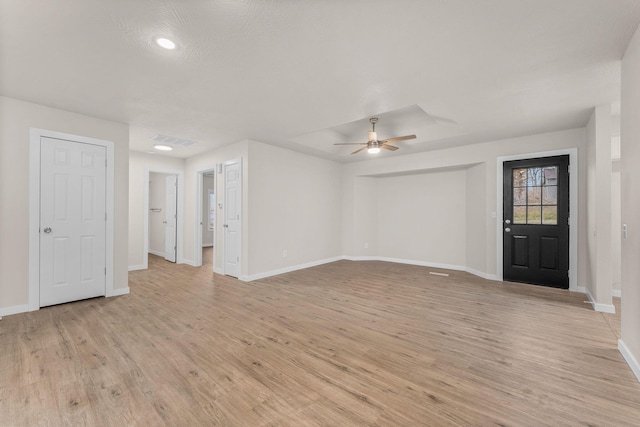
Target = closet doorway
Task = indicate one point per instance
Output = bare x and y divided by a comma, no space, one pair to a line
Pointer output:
207,216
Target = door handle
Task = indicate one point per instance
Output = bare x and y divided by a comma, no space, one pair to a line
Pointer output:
47,230
164,222
508,230
508,221
226,225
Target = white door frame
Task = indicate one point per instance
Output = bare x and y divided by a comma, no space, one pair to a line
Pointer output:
34,209
170,202
198,229
179,220
573,213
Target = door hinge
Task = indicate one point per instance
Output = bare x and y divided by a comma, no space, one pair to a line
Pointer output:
105,271
237,259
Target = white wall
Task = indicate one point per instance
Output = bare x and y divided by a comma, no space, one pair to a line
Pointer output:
630,180
422,217
295,205
157,200
16,117
480,160
599,281
476,218
207,235
138,163
366,217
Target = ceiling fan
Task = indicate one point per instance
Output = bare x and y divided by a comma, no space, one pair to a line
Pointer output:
373,145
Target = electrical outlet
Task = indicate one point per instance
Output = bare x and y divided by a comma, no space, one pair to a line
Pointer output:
284,253
366,246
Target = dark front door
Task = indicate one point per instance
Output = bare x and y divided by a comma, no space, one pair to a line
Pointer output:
536,221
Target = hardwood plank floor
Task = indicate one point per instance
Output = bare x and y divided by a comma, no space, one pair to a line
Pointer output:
342,344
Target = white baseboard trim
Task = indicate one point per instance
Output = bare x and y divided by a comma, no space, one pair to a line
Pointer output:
137,267
118,292
189,262
629,358
481,274
424,264
580,289
405,261
603,308
288,269
158,253
207,245
617,293
218,270
8,311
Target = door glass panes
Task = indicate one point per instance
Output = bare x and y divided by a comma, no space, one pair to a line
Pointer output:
519,196
535,195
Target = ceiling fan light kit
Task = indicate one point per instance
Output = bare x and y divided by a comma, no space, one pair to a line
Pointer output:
373,150
373,145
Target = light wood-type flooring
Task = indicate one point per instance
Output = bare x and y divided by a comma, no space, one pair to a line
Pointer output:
342,344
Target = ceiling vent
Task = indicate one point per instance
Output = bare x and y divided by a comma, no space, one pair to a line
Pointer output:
172,140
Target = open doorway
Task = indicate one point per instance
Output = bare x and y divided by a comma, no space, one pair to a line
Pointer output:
206,208
163,204
208,222
163,215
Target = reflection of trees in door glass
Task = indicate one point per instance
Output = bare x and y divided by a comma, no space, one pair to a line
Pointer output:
519,178
534,176
519,196
535,195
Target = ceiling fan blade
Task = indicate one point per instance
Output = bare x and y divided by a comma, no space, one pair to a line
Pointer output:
350,143
360,149
399,138
389,147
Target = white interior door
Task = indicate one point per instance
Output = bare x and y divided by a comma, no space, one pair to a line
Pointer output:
170,220
72,221
232,225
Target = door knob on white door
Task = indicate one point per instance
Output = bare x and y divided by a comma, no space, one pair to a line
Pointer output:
47,230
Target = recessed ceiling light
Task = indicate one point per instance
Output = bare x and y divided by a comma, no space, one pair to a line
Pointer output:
163,147
165,43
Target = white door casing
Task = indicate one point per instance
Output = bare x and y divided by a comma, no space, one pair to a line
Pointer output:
73,221
35,136
232,225
170,220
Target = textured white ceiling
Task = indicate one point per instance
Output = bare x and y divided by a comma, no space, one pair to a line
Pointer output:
305,74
